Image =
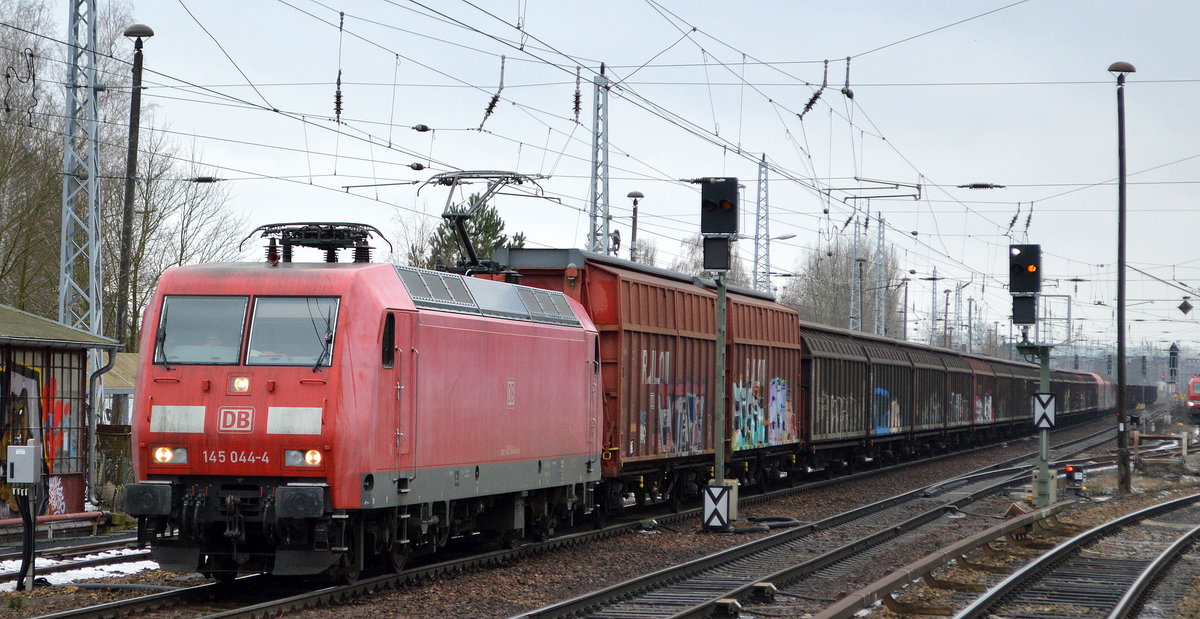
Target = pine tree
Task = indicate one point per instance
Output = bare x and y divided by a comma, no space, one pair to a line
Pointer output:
485,229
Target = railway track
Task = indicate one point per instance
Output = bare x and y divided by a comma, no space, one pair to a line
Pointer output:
197,599
695,589
793,559
1104,572
73,556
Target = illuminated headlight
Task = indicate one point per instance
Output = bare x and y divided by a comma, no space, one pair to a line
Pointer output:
171,455
239,384
295,457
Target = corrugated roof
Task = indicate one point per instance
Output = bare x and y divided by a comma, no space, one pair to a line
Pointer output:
22,328
121,377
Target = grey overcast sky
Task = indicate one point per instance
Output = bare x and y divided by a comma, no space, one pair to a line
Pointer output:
1014,93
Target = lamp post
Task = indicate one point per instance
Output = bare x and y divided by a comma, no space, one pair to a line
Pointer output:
1124,485
635,195
137,32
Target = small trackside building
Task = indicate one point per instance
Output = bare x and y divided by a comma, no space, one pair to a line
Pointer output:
44,376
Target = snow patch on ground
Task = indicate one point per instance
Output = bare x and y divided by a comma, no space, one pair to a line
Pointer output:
86,573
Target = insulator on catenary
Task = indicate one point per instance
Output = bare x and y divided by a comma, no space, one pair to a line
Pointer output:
337,98
578,94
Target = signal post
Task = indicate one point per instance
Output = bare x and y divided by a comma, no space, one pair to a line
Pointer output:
1025,285
718,227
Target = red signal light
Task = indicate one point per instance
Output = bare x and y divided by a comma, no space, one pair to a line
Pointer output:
1070,469
1031,268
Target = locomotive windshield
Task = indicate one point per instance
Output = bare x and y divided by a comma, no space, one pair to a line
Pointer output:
194,330
292,331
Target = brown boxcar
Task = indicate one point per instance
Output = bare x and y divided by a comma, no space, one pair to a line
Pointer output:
658,352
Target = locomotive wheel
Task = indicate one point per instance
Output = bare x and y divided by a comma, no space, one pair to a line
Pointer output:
398,557
544,529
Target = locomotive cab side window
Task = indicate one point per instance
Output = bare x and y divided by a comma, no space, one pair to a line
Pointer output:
292,331
200,330
389,341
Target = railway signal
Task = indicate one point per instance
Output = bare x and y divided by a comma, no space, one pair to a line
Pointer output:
1024,268
719,206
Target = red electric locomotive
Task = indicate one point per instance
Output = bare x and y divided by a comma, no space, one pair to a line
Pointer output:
308,418
1193,396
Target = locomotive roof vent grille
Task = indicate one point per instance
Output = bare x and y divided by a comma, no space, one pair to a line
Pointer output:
547,306
437,290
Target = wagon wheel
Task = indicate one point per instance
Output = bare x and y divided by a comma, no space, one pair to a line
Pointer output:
676,499
763,480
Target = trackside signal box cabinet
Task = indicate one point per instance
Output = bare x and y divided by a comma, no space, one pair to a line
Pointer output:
22,464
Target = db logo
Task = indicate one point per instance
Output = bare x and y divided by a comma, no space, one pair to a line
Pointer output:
235,419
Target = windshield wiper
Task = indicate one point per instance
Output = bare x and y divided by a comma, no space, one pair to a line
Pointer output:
160,338
327,345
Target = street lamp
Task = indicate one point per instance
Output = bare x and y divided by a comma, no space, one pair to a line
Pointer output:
635,195
1124,485
137,32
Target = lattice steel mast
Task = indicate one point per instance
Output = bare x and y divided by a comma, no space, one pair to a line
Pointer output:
762,233
79,293
598,239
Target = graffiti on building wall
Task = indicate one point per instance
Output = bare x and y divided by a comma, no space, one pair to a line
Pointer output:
32,409
762,408
675,407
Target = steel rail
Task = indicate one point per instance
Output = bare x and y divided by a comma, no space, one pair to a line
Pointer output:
1143,586
75,564
588,603
1046,563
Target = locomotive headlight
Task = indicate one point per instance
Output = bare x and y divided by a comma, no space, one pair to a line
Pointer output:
296,457
171,455
239,384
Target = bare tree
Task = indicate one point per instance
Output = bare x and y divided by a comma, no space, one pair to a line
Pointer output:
30,161
821,288
692,263
414,234
177,221
646,252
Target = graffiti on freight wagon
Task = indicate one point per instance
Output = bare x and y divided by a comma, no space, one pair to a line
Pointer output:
885,412
670,417
756,422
